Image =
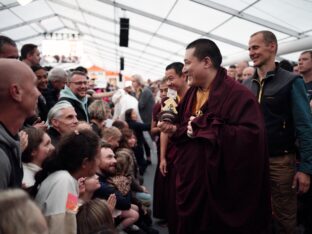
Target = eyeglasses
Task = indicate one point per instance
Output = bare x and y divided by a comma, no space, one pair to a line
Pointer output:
80,82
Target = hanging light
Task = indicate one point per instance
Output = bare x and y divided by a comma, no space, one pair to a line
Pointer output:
24,2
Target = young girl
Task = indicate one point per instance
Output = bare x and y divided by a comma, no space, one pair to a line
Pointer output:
77,156
39,147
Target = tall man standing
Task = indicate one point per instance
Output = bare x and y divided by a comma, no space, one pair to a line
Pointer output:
305,69
146,103
18,100
287,116
222,162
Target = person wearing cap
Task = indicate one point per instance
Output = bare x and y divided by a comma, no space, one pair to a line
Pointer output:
57,78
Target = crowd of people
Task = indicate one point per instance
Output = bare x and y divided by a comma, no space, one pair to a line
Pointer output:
234,146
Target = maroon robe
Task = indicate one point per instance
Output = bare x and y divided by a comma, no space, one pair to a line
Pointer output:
164,198
222,183
160,193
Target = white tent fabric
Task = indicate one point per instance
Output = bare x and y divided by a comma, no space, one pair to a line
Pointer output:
159,29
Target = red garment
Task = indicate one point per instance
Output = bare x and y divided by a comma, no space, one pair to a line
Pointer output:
160,195
164,197
222,183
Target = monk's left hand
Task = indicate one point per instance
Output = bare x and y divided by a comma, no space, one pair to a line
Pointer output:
301,182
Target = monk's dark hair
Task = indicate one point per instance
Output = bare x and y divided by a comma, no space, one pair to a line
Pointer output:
177,67
28,49
206,48
69,155
268,37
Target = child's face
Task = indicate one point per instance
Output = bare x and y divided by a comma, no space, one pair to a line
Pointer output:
92,183
134,115
132,141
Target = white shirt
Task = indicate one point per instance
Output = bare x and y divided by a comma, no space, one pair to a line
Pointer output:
58,194
30,169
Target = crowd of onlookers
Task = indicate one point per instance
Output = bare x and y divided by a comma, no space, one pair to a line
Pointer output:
80,161
80,153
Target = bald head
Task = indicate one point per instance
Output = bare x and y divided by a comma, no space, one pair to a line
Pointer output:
248,72
18,94
12,72
240,67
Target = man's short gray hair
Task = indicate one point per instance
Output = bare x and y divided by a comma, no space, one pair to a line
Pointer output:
57,74
138,78
80,73
55,111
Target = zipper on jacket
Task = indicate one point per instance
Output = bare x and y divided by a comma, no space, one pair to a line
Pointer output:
284,124
261,84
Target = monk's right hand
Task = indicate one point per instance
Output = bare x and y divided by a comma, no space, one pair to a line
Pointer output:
166,127
189,127
163,167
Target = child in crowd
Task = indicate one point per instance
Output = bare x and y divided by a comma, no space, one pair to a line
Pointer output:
39,147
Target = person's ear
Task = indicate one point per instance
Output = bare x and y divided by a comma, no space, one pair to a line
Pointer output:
207,62
16,92
85,163
55,122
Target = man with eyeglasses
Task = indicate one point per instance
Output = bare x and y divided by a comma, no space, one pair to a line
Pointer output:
75,92
8,48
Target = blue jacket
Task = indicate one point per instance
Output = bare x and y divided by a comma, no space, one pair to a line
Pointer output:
80,105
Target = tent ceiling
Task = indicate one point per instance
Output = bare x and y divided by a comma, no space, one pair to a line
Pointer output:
159,29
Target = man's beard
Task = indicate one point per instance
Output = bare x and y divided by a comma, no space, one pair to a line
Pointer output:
109,171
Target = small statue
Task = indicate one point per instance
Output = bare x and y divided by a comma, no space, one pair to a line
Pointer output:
169,110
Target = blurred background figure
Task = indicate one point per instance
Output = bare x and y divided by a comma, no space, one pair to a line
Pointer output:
19,214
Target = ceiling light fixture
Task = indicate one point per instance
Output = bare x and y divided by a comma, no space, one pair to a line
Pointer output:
24,2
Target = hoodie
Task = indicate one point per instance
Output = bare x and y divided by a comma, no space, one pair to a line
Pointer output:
11,170
80,105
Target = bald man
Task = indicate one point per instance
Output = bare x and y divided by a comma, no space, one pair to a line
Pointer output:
248,72
18,100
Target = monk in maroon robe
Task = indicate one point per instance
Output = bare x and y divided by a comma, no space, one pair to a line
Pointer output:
222,183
